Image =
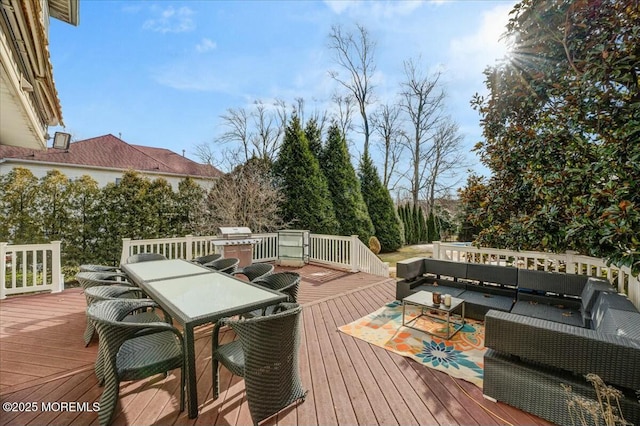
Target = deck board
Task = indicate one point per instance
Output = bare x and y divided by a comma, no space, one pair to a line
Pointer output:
43,359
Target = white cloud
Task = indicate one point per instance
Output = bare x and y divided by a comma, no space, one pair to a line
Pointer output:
373,9
206,45
470,54
170,20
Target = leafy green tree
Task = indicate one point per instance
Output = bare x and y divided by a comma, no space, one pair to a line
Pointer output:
189,207
54,209
344,187
434,228
124,214
424,229
313,134
561,126
159,201
79,241
380,206
307,200
18,207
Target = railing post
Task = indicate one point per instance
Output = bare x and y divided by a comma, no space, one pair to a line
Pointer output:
126,246
355,253
571,262
57,281
436,250
189,249
3,269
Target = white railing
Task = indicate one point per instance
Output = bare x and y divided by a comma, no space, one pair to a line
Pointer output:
367,260
30,268
569,262
331,250
267,249
190,247
345,253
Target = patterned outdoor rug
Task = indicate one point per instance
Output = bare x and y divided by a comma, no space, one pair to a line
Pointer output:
461,356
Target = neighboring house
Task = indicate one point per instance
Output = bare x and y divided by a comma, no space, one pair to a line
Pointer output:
29,101
105,159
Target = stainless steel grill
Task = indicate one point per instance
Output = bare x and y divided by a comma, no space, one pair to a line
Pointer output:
236,242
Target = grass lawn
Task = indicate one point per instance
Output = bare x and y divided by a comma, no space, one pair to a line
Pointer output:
419,250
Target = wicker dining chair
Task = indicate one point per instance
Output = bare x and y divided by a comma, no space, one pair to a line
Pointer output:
114,292
145,257
266,355
228,265
208,258
98,268
133,351
255,270
99,279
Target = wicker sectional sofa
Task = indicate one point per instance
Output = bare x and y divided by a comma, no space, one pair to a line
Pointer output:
542,329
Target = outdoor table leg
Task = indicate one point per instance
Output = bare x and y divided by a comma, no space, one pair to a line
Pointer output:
192,388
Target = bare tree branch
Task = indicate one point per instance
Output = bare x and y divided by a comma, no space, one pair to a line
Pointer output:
355,55
422,100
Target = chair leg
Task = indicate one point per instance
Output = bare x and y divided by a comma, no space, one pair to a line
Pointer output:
214,370
88,333
109,399
99,366
183,384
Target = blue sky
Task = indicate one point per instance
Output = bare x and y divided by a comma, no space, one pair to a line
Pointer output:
160,73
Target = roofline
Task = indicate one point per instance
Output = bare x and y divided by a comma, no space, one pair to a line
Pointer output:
82,166
73,15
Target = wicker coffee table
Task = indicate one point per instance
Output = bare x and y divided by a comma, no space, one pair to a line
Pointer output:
424,299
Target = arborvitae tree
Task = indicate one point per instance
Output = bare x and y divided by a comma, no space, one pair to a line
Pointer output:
400,213
160,198
349,206
18,207
380,206
80,241
53,205
416,220
189,207
308,202
434,231
125,214
424,229
314,137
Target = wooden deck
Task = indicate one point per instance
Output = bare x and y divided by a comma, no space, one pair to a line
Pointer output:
43,362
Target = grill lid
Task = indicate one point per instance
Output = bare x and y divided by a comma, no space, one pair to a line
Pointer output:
234,231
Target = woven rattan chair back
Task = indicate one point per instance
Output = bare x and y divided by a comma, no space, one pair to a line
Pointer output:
145,257
227,265
96,279
266,355
133,351
284,282
255,270
97,268
208,258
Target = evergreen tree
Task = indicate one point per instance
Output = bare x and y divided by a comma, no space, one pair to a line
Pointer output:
432,225
308,202
380,206
53,201
344,187
314,137
19,208
82,233
416,222
424,229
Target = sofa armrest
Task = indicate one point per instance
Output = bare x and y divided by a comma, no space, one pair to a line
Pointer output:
615,359
410,269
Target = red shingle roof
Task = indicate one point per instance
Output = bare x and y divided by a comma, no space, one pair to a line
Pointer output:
110,151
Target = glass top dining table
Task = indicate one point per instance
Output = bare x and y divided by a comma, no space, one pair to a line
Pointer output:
194,295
